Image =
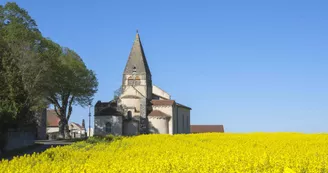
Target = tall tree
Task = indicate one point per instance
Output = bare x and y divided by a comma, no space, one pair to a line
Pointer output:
38,71
72,84
26,68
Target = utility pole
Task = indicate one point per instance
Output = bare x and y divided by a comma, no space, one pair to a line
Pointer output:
89,119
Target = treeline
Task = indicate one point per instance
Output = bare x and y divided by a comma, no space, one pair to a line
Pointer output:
36,72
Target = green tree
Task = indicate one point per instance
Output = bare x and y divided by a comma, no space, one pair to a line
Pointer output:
26,65
37,72
72,84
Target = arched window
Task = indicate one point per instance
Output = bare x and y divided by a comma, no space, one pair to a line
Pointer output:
108,127
129,115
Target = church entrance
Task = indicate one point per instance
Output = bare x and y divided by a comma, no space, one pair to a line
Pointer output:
130,128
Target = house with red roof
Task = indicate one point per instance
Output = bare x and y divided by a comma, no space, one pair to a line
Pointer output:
52,121
76,130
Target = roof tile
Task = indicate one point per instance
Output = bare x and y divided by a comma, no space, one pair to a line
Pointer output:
163,102
157,113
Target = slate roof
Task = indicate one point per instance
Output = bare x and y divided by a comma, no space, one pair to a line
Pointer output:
206,128
181,105
52,118
137,59
107,108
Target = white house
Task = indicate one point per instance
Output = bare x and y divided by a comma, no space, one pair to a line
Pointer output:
76,130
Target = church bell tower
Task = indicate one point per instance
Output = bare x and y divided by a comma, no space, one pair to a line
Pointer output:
137,86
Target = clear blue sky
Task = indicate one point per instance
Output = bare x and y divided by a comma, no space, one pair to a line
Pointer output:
249,65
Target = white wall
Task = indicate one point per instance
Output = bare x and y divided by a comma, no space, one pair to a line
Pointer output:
160,124
91,131
142,88
161,93
100,125
52,129
131,102
169,111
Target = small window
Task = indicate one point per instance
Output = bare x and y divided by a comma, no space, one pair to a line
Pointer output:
108,127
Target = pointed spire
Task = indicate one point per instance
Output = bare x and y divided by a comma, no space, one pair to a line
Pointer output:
137,60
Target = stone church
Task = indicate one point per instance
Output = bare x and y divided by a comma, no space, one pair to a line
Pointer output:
140,107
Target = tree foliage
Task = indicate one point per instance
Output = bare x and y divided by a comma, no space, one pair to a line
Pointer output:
35,72
73,84
24,64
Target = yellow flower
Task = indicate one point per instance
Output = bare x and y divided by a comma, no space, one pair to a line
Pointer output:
211,152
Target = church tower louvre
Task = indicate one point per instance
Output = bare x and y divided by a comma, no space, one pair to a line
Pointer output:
137,86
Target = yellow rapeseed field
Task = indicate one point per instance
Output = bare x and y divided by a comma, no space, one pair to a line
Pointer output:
211,152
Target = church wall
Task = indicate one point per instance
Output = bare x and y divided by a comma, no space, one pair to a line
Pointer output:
169,111
183,120
175,120
130,91
160,125
161,93
141,88
131,103
131,128
100,125
180,121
